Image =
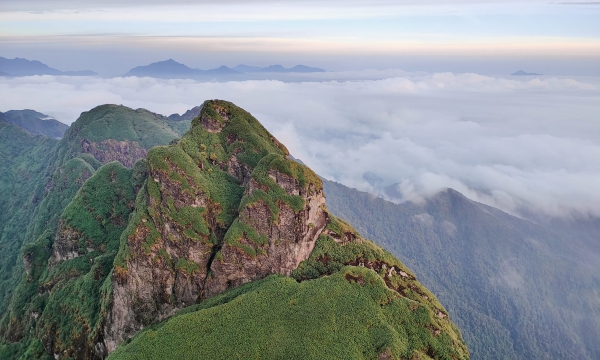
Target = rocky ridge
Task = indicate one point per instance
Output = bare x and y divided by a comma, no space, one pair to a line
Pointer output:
193,240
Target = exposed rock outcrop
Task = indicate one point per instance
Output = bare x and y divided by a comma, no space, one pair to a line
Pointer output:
126,152
166,265
290,239
66,244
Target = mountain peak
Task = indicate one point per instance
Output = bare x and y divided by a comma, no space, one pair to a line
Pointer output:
161,68
223,223
523,73
215,115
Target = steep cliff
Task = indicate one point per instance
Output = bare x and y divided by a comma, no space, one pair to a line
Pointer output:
42,177
221,208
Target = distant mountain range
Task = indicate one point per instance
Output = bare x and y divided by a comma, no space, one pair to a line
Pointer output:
35,123
523,73
171,69
277,69
167,69
24,67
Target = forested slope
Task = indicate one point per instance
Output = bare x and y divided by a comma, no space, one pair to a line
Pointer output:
516,289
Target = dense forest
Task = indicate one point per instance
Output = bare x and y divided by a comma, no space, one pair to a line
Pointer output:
517,290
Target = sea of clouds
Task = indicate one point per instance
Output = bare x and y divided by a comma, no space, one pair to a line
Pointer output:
519,144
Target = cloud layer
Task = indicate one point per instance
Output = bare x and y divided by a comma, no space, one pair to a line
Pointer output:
517,144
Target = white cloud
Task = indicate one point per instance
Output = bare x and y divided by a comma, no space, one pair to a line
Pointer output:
509,142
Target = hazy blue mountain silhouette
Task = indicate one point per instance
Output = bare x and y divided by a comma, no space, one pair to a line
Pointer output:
277,69
24,67
523,73
172,69
35,123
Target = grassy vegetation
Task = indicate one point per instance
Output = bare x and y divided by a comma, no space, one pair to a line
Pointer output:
102,206
180,127
24,160
199,164
39,179
274,195
328,309
122,123
334,317
329,257
242,134
67,297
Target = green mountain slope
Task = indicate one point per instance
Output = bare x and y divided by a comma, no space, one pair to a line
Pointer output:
219,224
30,225
123,124
64,292
24,159
35,123
516,289
348,315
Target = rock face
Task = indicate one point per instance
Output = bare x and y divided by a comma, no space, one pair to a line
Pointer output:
223,207
125,152
290,239
66,244
69,235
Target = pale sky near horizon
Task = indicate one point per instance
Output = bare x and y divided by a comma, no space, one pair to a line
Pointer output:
491,37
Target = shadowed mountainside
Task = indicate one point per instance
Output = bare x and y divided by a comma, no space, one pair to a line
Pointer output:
517,290
35,123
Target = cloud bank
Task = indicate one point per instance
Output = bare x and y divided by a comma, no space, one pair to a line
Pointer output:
517,144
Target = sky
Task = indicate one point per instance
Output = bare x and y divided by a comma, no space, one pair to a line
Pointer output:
487,37
417,93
